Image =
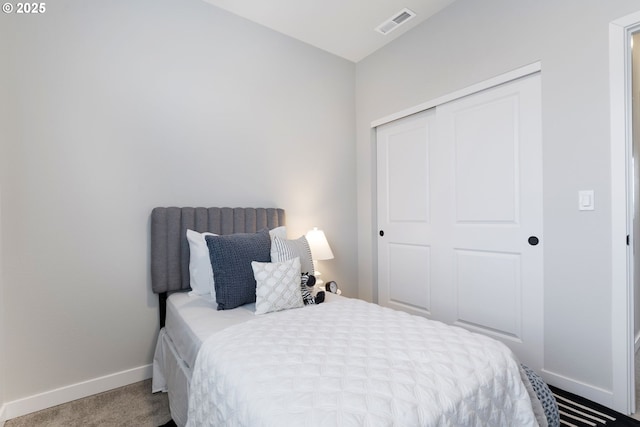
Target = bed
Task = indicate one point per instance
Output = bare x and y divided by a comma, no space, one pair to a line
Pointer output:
342,362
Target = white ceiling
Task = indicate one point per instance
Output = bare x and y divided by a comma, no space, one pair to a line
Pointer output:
343,27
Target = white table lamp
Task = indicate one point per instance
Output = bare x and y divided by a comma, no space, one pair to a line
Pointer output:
320,250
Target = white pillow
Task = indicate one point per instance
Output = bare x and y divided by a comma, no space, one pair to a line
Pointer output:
282,250
200,272
277,285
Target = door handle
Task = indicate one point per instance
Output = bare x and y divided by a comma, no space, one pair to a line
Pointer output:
381,233
533,240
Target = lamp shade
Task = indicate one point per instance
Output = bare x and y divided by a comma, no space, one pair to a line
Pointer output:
320,249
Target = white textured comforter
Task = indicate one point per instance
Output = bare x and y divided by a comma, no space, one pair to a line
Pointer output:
352,363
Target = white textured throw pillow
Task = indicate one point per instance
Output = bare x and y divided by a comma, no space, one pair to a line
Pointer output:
277,285
200,272
282,250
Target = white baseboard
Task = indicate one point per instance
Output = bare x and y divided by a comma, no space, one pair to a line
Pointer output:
591,392
71,392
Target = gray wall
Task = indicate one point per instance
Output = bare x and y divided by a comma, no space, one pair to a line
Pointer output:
6,133
123,106
470,42
2,319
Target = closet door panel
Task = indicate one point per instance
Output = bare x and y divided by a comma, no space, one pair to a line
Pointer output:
404,214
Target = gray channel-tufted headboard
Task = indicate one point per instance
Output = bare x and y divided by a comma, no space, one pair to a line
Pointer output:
170,249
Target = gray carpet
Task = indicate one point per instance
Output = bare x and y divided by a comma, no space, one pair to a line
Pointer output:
132,405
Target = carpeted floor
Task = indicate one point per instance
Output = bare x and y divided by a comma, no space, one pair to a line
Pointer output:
132,405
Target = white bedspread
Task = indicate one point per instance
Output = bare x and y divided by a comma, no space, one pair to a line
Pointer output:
352,363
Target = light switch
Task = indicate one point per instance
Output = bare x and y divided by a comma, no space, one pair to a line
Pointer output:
585,200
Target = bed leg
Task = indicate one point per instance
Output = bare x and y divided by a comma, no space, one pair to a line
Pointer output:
162,299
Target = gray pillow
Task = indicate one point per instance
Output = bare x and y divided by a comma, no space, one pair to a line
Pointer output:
231,257
284,250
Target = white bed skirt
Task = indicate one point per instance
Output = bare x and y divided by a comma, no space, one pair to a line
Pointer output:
172,375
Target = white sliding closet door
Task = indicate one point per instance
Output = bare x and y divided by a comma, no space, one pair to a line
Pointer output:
404,212
460,205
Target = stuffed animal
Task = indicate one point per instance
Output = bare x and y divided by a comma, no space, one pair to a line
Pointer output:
307,283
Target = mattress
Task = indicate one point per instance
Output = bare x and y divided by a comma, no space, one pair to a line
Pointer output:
193,319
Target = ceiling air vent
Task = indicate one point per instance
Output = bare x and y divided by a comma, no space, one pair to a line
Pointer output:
395,21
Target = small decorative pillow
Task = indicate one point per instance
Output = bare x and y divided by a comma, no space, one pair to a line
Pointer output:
277,285
231,257
200,273
283,250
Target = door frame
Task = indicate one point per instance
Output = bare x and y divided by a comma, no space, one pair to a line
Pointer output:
622,293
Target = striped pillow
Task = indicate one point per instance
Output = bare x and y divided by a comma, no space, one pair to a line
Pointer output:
284,250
